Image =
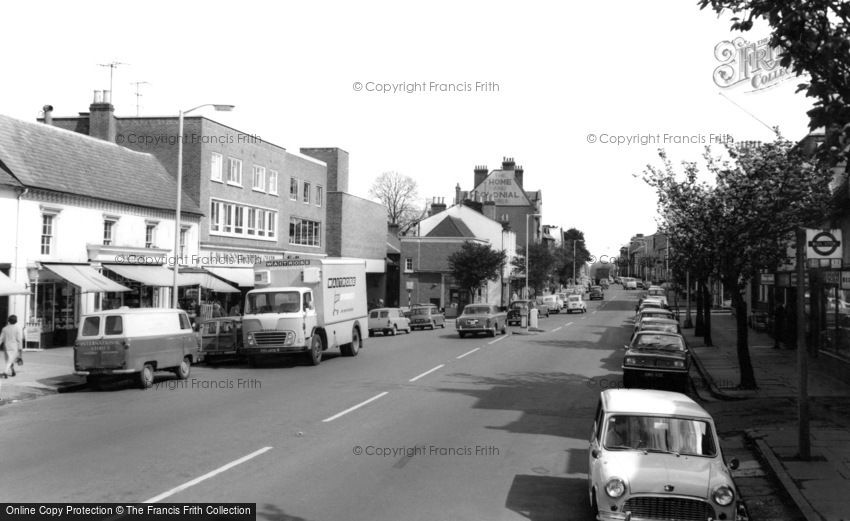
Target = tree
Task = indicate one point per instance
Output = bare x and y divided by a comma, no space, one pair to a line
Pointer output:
398,193
542,265
761,195
814,38
474,264
564,255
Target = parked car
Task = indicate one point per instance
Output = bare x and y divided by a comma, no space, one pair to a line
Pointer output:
668,325
656,454
482,318
388,321
575,304
656,359
596,293
519,308
426,316
135,342
648,302
652,313
629,283
221,338
657,292
551,302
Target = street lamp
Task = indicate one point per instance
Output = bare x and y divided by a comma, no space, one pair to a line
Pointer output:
527,260
222,108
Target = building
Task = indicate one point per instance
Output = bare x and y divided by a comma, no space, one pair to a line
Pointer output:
75,208
425,250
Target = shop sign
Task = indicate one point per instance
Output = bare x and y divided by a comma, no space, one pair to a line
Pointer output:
845,279
767,279
831,277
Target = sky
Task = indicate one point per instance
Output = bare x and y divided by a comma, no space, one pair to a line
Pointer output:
553,85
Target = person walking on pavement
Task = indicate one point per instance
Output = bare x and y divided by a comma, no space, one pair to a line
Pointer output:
12,339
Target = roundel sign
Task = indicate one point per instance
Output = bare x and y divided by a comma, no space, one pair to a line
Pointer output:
823,244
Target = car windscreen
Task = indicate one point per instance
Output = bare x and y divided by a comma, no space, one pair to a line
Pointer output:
657,292
273,302
667,342
476,310
420,311
575,298
684,436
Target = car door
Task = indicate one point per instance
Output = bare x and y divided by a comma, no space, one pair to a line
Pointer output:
594,453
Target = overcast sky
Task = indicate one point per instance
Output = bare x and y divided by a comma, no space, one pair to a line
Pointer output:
561,70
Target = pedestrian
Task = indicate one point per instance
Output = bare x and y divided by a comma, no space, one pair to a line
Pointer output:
235,310
12,339
217,310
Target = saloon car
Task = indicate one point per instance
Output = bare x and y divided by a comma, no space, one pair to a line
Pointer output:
426,316
668,325
552,303
654,455
652,313
481,318
596,293
388,321
656,359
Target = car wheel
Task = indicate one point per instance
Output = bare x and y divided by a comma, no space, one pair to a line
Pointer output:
395,330
461,334
183,369
316,347
146,377
352,348
93,381
492,332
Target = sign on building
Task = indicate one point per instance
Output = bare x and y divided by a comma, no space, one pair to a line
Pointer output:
501,188
823,244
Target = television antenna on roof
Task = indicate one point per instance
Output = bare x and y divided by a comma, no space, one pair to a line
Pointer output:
112,66
138,94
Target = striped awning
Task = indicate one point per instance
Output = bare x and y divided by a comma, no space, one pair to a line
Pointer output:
243,277
148,275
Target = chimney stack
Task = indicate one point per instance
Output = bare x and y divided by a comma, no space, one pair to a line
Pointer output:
102,124
48,114
508,163
518,175
480,175
457,194
438,205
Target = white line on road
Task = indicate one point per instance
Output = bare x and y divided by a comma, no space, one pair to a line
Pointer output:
565,325
468,353
359,405
497,340
243,459
426,373
556,329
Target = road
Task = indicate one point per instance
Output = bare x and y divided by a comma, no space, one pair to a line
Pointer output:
416,427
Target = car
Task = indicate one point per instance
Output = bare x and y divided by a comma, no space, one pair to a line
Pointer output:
596,293
660,324
551,302
388,321
646,303
629,283
639,284
221,338
426,315
519,308
657,359
656,455
657,292
654,313
575,304
481,318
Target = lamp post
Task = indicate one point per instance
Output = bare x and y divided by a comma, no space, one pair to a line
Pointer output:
223,108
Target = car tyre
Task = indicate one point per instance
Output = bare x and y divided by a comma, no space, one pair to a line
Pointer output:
316,348
184,369
146,376
351,349
395,330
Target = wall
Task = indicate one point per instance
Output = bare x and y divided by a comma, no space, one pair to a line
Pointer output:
364,223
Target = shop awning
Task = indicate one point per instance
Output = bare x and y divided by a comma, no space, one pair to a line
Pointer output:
205,280
85,277
147,275
243,277
10,287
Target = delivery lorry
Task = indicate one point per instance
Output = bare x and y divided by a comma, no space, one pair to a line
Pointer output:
305,307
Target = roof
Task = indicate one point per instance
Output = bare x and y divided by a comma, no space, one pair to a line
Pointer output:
135,311
645,401
451,227
51,158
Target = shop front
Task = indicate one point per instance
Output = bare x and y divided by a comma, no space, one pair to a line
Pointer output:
149,286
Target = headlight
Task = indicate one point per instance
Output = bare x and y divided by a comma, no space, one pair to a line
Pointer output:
631,360
251,339
615,487
678,363
723,495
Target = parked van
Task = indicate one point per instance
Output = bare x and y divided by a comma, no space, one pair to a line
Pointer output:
135,342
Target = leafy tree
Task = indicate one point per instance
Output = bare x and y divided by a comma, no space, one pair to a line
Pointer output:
739,226
564,255
814,38
398,193
543,262
474,264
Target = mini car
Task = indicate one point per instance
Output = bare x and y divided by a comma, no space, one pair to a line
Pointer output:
596,293
655,455
575,304
221,338
388,321
426,316
481,318
656,359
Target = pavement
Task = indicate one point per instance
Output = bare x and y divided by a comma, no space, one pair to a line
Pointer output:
820,486
44,372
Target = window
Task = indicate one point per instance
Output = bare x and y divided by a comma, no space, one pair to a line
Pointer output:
234,173
91,326
150,235
114,325
261,223
215,216
252,221
273,182
238,212
47,233
240,220
108,231
293,189
319,194
216,167
271,223
408,264
306,198
304,232
227,217
259,178
184,236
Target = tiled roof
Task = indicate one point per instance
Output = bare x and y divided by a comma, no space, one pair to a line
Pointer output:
451,227
46,157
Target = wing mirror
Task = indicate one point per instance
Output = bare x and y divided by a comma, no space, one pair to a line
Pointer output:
734,463
595,453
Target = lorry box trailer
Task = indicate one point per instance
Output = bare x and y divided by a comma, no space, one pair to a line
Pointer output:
306,306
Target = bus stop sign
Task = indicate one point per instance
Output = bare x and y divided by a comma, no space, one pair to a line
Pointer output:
823,244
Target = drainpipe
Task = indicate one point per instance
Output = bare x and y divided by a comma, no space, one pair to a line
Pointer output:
17,235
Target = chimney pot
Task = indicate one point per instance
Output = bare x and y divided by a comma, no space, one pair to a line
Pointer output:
48,114
98,96
107,96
